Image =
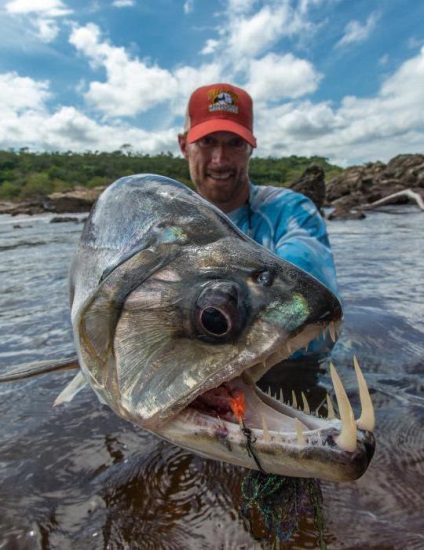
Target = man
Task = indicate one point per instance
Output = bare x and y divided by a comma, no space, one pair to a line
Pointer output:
218,142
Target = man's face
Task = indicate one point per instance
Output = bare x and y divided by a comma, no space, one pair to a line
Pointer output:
218,166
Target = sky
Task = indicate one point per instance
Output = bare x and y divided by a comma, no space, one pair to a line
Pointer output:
342,79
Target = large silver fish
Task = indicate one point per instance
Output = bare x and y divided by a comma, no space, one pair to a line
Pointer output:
176,314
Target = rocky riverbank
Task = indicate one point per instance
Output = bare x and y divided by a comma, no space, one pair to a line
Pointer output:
359,187
349,194
78,200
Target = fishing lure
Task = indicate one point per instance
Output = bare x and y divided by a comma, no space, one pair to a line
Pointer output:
278,500
238,406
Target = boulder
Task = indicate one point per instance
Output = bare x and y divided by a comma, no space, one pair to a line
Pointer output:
79,199
346,214
64,219
312,184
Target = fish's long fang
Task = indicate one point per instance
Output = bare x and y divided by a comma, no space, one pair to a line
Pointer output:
367,419
347,438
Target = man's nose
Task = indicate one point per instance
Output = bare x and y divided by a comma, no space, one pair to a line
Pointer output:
220,152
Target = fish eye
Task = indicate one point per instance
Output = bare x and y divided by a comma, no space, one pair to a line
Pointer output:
218,314
215,321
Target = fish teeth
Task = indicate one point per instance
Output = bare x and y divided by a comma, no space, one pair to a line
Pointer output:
331,414
367,419
332,329
306,407
266,436
299,433
347,438
294,400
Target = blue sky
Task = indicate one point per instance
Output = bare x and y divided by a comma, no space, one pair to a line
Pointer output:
343,79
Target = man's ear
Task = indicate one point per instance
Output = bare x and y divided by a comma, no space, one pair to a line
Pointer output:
182,142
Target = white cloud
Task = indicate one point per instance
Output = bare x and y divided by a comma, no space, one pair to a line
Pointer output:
70,130
188,6
241,6
251,36
123,3
360,130
49,8
47,29
21,93
132,86
211,46
357,32
245,32
275,77
40,15
27,121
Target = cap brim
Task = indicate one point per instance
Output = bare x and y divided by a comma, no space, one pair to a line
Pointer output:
220,125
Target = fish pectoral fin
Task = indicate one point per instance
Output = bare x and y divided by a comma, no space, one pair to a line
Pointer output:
75,385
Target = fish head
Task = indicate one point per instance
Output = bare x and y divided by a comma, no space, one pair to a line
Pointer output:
189,319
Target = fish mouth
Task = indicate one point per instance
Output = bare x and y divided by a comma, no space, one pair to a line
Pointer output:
258,431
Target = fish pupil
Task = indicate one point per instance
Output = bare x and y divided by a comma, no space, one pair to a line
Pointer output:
215,321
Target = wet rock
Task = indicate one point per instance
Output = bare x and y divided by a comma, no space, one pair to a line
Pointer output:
64,219
346,214
28,208
80,199
312,184
7,207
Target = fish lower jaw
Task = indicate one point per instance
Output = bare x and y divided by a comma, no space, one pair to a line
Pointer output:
295,437
313,454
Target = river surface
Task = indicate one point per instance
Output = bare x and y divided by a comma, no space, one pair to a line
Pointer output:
78,477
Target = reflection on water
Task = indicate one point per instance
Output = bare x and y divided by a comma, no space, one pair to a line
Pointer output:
76,476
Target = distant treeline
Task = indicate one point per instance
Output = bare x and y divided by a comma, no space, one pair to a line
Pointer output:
26,175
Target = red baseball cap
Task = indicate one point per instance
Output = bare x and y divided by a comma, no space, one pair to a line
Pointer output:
219,107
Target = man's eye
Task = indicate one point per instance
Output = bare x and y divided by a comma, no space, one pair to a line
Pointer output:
206,142
237,143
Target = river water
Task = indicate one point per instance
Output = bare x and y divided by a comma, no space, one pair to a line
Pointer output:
78,477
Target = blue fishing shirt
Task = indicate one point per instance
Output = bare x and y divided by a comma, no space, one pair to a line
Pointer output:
289,225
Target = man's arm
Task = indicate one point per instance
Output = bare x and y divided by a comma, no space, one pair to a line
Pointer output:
290,225
301,238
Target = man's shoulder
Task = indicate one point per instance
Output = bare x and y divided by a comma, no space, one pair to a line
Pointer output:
268,196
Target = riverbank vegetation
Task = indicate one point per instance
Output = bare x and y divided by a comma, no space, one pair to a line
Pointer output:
26,175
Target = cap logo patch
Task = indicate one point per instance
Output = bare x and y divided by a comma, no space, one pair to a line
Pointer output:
223,100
